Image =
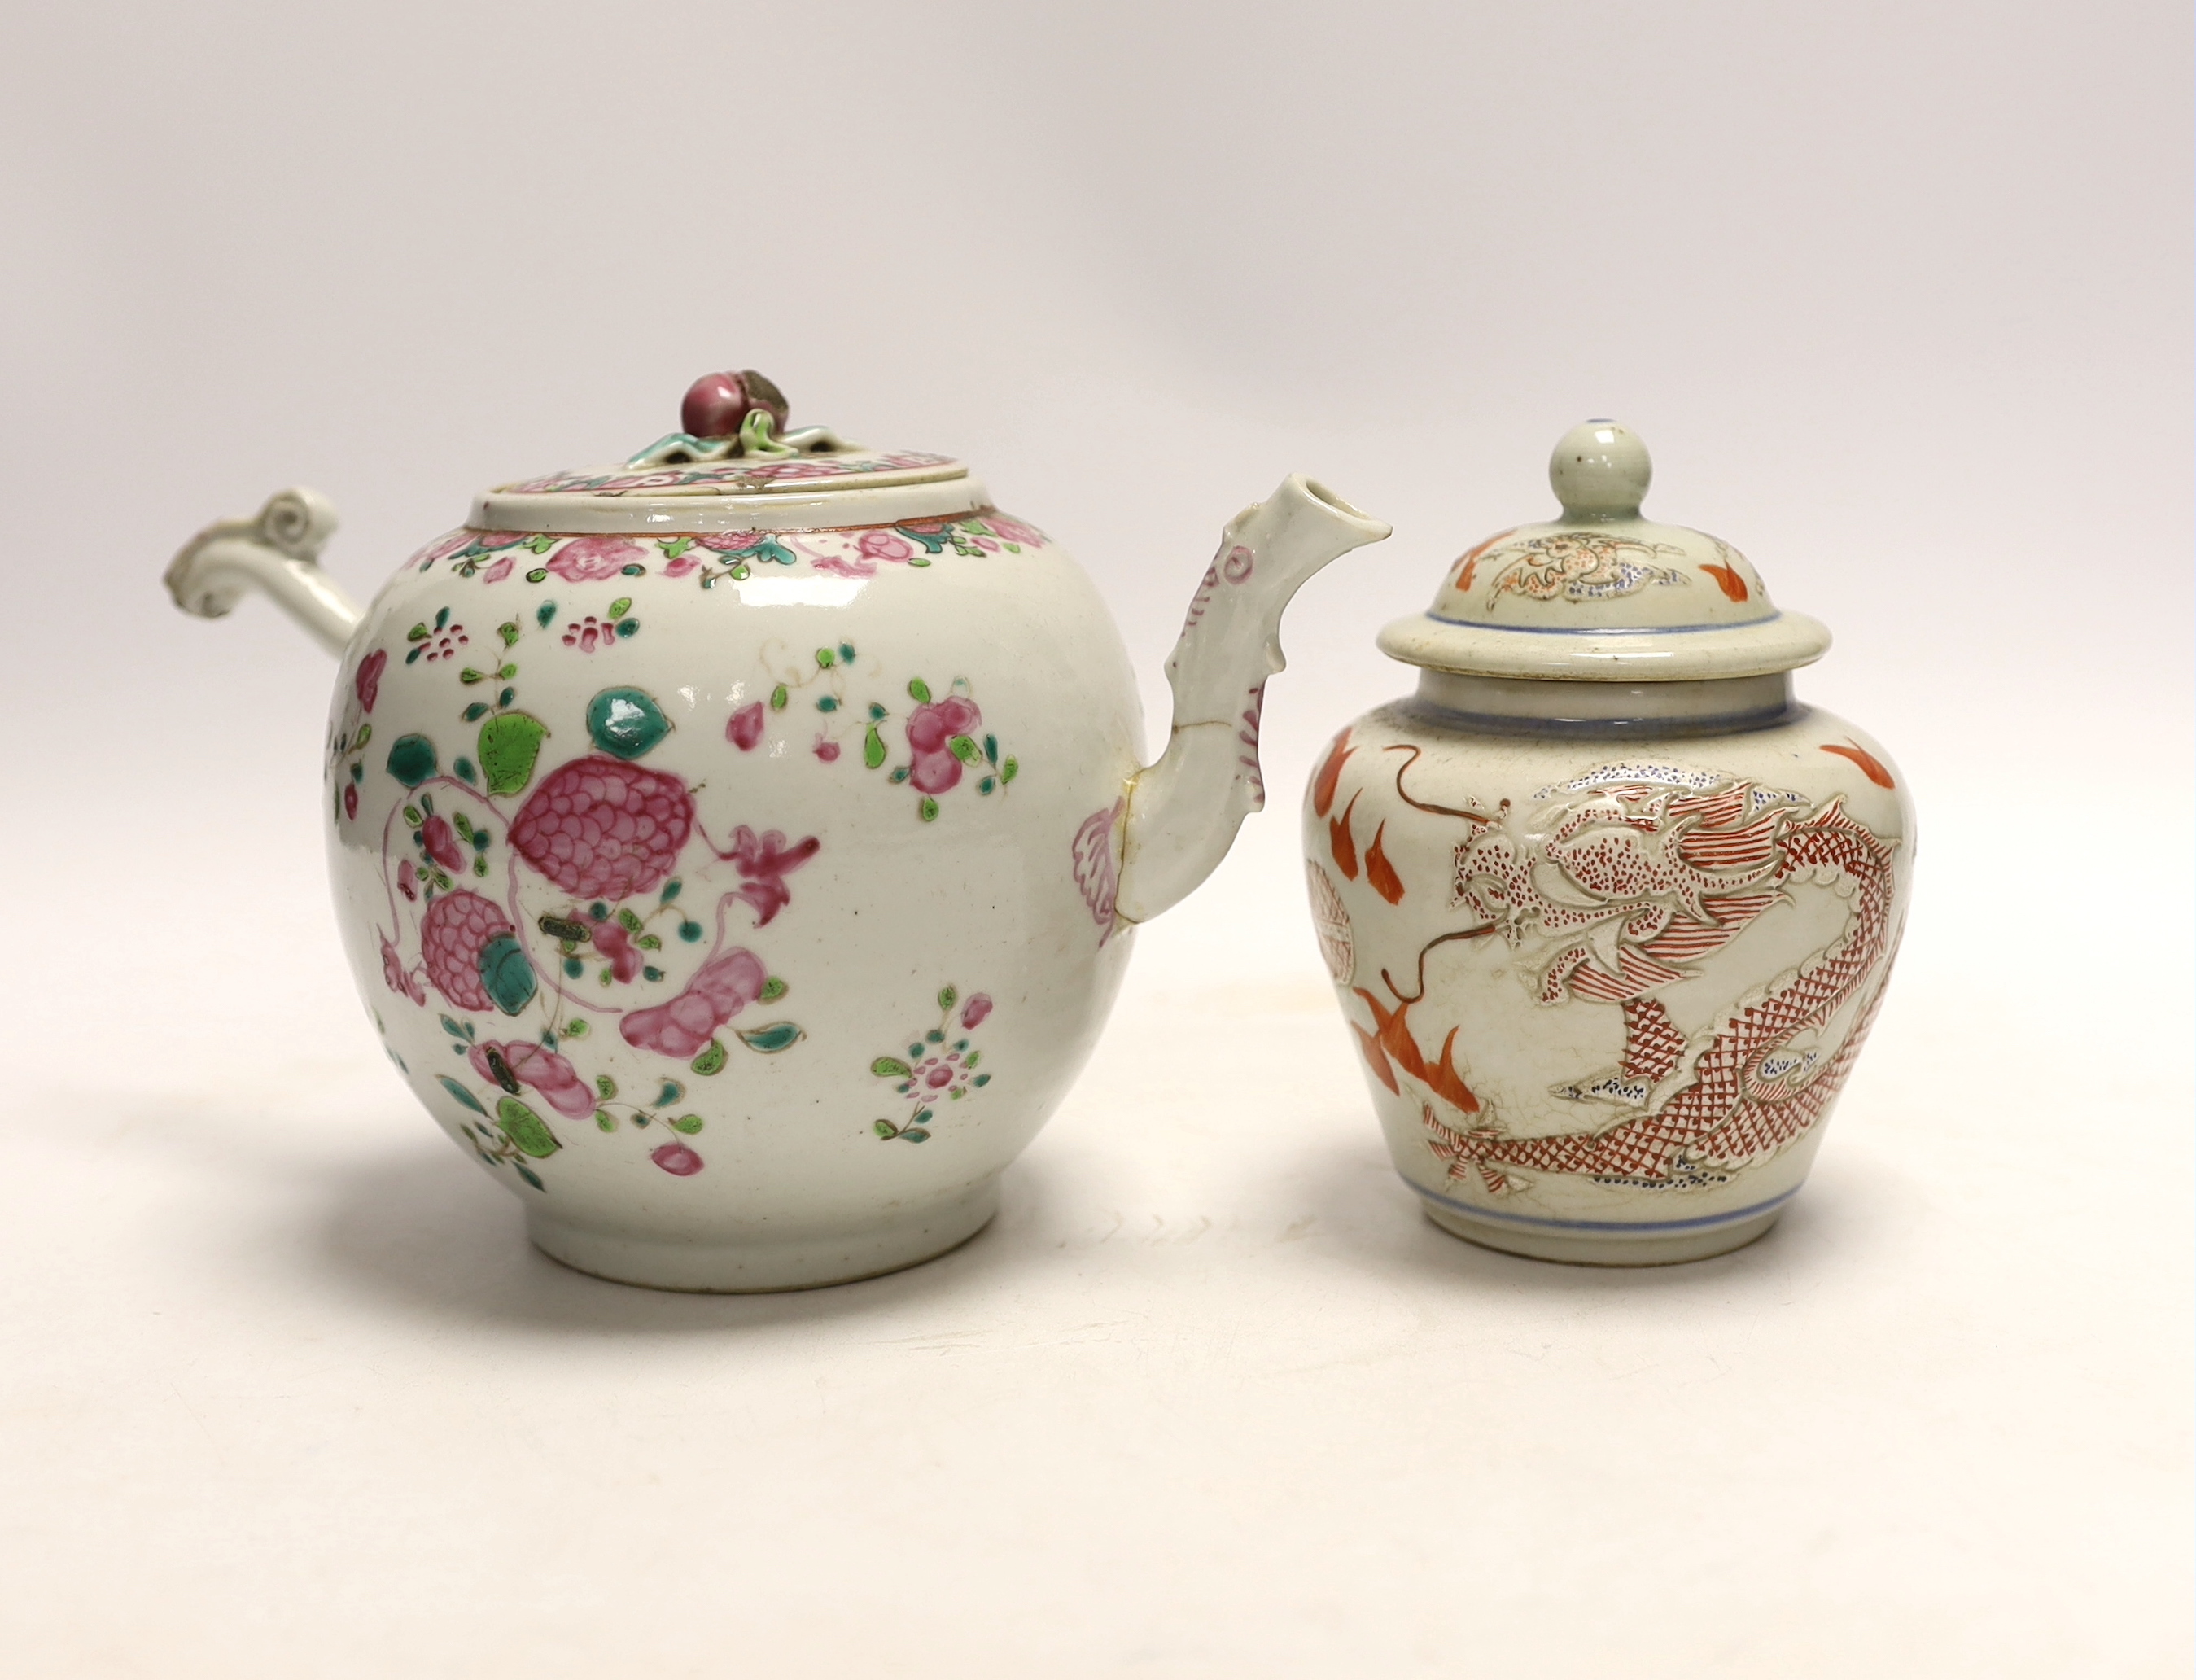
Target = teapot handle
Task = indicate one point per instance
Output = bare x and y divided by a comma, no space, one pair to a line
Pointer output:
276,552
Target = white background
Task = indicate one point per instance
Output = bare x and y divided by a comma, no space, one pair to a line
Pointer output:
1898,295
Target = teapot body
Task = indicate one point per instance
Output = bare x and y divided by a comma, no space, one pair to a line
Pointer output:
1607,974
744,902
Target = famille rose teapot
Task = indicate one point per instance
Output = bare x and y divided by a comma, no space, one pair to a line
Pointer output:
738,849
1608,911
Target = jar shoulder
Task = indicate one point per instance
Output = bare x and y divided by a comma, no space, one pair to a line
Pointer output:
1404,754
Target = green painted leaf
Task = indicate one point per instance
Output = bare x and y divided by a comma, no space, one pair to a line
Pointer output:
828,702
671,1092
412,759
964,748
509,631
364,733
770,1040
919,690
454,1029
688,1123
463,824
890,1067
628,921
690,931
530,1176
1010,770
914,1135
671,890
712,1059
506,973
605,1087
545,613
992,748
773,988
474,712
576,1029
460,1092
886,1129
510,747
928,810
619,609
626,723
605,1121
778,697
673,548
948,998
469,676
526,1129
877,714
825,659
873,748
412,815
418,632
846,652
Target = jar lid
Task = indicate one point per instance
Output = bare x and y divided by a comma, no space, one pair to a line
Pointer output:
734,466
1602,595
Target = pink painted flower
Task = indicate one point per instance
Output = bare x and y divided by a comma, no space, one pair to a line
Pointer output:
539,1066
603,828
614,942
401,980
733,542
367,682
441,843
974,1012
677,1159
407,880
931,728
681,1028
832,566
590,559
880,544
681,566
440,548
452,934
744,728
589,634
492,540
827,749
764,862
350,800
1013,530
498,572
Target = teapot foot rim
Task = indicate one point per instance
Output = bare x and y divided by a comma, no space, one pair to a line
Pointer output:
749,1267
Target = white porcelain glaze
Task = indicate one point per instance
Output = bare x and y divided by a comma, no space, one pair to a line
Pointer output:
1608,911
738,849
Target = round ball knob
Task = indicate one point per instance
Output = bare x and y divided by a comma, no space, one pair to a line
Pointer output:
1600,470
716,404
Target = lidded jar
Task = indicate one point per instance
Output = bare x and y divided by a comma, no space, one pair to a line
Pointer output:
1608,911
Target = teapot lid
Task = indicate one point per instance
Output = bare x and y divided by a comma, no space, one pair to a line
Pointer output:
1602,595
734,466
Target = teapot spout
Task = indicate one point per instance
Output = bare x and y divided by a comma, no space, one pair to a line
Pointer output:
277,552
1184,811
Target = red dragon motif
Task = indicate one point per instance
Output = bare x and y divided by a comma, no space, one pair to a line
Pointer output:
1666,867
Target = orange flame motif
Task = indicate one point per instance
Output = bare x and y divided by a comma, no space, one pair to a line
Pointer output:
1390,1046
1343,844
1870,765
1329,779
1727,579
1380,871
